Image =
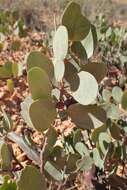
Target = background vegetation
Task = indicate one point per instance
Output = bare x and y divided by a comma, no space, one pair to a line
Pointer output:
59,135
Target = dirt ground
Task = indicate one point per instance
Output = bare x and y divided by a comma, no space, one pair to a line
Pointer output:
42,12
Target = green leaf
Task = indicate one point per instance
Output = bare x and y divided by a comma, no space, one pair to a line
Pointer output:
3,73
94,33
81,116
98,70
8,184
6,70
85,163
1,45
15,69
117,94
6,157
36,179
71,163
25,106
51,140
52,137
87,90
37,59
71,76
60,43
10,85
42,114
115,131
39,84
78,49
78,26
22,31
7,122
77,137
95,134
58,158
124,100
56,174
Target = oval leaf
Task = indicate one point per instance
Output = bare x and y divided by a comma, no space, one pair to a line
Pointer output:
56,174
36,179
85,163
80,115
115,131
87,90
78,49
60,43
39,83
113,112
82,149
71,76
77,25
42,114
59,69
117,94
98,70
37,59
10,85
6,157
106,94
124,100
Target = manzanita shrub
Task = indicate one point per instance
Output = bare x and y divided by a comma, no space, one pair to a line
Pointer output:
66,84
112,43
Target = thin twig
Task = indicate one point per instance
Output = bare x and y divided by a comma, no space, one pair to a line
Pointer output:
50,186
71,188
62,184
42,155
59,186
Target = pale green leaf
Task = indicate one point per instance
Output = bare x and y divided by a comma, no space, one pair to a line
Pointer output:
117,94
87,90
88,44
59,69
60,43
25,106
56,174
82,149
